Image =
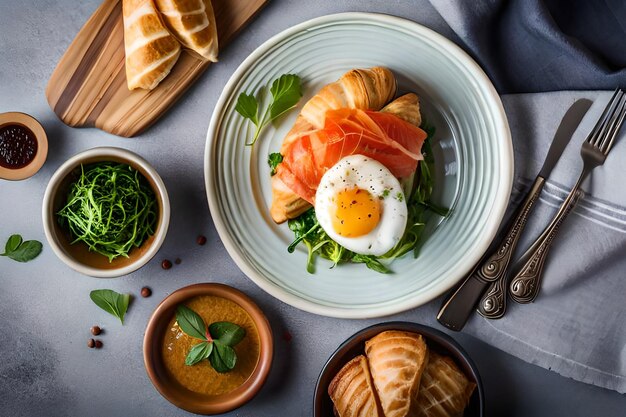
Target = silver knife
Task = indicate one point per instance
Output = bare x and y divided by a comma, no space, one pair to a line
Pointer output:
490,275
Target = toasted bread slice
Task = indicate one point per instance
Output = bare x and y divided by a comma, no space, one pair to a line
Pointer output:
397,360
351,391
444,390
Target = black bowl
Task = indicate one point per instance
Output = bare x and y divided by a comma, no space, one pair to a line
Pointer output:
355,345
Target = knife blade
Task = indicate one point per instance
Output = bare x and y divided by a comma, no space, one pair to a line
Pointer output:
488,278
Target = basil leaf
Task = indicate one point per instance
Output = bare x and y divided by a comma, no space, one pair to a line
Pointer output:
227,333
223,358
13,243
198,352
190,322
286,92
27,251
273,160
112,302
248,107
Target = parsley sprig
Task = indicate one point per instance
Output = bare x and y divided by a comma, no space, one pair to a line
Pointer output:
286,91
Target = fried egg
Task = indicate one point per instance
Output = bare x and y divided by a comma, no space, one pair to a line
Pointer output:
361,205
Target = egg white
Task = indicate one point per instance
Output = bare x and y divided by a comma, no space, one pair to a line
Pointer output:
367,174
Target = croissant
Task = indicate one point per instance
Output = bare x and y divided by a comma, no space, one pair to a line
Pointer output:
351,391
367,89
151,51
397,360
406,107
444,391
192,22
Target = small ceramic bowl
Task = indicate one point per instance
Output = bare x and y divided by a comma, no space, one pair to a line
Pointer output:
78,256
175,392
355,345
29,122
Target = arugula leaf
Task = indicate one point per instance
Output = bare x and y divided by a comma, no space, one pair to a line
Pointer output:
248,107
112,302
273,160
227,333
198,352
223,358
190,322
371,262
13,243
21,251
286,92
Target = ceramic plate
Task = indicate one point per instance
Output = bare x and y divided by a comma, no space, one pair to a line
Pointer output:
472,149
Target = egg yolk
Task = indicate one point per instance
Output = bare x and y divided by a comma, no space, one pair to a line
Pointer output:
357,212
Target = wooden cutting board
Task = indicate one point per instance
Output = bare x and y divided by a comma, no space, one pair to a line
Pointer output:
88,86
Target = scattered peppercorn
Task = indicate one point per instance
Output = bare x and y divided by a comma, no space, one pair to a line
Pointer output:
166,264
177,261
98,344
201,240
96,330
287,336
91,343
146,292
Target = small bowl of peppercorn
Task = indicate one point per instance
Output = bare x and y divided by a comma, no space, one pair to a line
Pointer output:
23,146
106,212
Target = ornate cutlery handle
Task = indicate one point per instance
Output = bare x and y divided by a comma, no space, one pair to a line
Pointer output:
526,283
493,304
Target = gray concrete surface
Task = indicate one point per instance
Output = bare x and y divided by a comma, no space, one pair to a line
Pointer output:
45,312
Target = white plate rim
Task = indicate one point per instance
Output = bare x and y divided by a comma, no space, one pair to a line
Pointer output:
371,311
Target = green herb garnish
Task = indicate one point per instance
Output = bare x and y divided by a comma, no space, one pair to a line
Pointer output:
286,92
112,302
21,251
217,343
111,208
308,231
273,160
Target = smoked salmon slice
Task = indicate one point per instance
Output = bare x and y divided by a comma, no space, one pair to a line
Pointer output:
384,137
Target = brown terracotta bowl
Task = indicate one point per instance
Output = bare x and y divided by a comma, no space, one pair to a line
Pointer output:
355,345
78,256
173,391
24,120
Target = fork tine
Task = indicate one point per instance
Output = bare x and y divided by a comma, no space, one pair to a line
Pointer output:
598,130
616,125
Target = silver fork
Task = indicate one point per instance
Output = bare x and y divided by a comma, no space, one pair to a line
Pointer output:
525,284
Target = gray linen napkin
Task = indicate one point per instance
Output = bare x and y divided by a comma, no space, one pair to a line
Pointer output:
576,325
543,45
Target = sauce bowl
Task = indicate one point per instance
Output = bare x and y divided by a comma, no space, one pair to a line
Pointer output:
174,391
78,256
33,166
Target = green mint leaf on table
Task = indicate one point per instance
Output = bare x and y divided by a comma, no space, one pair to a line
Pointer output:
286,92
273,160
21,251
198,352
191,323
27,251
248,107
223,358
227,333
112,302
13,243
